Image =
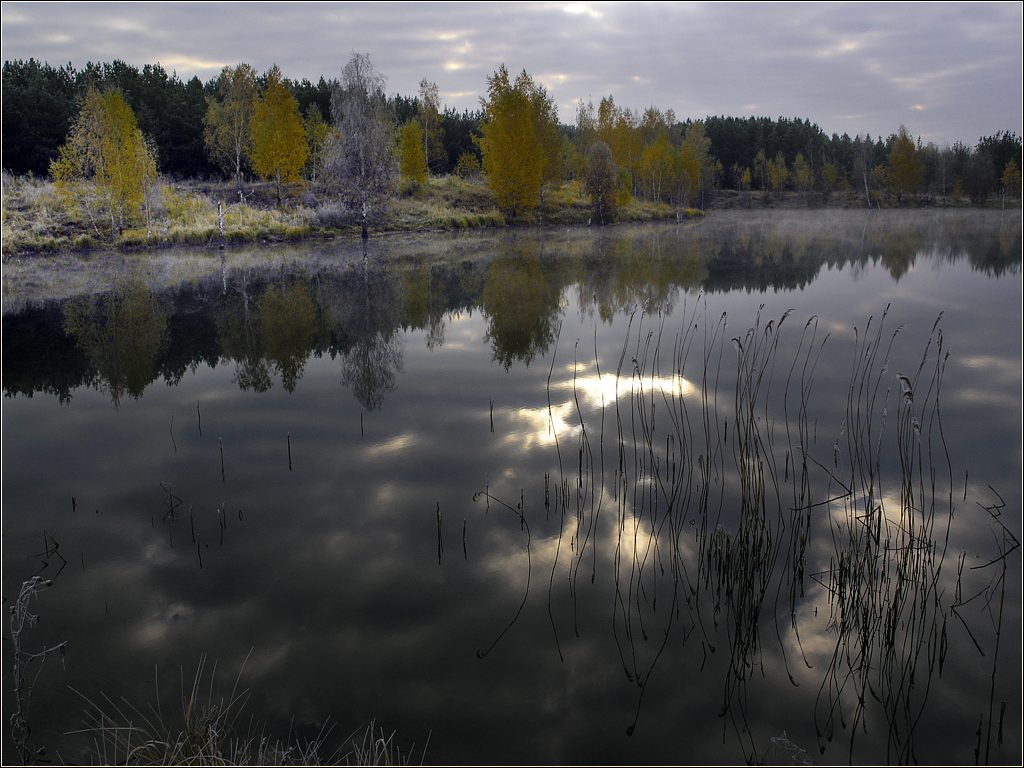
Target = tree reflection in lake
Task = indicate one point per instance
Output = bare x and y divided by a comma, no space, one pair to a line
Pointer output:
288,320
240,335
363,311
732,548
121,333
520,302
269,320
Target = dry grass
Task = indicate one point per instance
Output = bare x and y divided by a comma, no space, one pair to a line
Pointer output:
39,217
212,729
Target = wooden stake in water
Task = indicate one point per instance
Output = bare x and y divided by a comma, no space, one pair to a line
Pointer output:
220,223
440,541
220,440
171,430
289,451
199,419
492,415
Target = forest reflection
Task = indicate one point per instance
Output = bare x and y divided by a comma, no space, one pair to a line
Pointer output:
268,322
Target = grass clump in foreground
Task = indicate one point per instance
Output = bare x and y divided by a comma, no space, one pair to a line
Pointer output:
211,730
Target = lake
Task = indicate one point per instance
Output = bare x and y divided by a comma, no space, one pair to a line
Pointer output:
744,489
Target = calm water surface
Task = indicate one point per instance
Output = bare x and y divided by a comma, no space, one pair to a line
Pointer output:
745,490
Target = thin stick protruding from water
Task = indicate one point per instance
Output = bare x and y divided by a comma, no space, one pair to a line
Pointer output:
220,440
492,416
440,540
171,430
199,419
289,451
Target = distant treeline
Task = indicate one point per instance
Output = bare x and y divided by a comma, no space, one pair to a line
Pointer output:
41,102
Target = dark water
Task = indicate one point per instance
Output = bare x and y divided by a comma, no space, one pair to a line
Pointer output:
527,493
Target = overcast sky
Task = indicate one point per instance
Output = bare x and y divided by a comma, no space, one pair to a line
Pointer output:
946,71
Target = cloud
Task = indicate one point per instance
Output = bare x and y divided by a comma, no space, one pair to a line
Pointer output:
180,63
821,62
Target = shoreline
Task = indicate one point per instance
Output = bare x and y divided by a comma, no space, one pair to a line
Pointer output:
32,280
35,226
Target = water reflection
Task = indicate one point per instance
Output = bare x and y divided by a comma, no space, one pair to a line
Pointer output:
698,537
365,321
121,334
521,304
269,321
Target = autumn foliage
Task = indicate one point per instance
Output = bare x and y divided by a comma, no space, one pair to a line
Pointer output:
412,154
516,140
107,149
279,147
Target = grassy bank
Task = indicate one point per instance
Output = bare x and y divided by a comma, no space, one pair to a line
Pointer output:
39,217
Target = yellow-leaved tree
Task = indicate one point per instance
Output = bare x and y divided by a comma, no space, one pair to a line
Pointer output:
412,154
279,148
617,128
905,169
657,167
515,140
106,160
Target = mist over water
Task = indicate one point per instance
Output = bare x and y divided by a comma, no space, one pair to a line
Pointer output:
746,489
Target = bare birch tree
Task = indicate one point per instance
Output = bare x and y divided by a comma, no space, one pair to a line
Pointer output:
361,160
430,119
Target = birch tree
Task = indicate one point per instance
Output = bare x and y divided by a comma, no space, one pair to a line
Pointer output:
317,133
107,149
430,120
279,147
228,127
905,167
413,157
361,159
519,140
600,180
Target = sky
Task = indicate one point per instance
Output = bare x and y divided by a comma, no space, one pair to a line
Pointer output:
947,71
